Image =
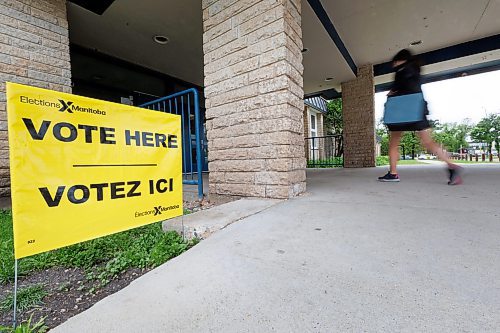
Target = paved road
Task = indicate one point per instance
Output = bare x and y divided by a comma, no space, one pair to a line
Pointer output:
353,255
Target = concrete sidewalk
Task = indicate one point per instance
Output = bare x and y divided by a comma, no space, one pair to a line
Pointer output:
354,255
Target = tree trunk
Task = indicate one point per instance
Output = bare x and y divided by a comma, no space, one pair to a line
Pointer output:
340,147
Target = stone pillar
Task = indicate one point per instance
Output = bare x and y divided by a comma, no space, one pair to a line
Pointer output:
34,50
358,107
254,97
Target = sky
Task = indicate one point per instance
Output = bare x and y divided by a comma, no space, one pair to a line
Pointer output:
452,101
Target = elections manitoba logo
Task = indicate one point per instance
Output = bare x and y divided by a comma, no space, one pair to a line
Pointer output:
61,105
157,210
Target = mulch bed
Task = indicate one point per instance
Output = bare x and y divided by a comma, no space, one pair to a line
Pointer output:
69,293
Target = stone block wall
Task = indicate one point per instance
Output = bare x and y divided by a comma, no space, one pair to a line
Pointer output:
254,97
358,98
34,50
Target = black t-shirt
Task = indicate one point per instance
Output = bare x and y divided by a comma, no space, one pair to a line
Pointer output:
407,80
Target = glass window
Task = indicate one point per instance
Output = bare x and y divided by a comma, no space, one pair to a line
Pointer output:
313,121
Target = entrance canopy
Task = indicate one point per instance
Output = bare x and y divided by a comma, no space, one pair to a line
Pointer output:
373,31
454,37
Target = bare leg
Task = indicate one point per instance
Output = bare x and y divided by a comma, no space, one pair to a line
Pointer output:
432,146
395,138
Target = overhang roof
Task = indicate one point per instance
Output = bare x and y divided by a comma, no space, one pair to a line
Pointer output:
371,31
318,103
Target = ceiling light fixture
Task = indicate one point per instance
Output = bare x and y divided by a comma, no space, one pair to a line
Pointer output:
415,43
161,39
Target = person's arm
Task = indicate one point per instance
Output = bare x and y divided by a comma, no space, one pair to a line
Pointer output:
396,85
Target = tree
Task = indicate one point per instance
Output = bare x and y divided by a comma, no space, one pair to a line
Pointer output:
410,144
487,131
333,118
452,136
496,124
333,124
384,140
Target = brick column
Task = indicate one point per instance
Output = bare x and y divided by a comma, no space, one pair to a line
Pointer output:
34,50
358,106
254,97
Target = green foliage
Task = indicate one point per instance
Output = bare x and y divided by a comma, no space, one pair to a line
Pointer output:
148,248
6,247
410,144
487,131
144,247
333,162
452,136
333,124
333,120
382,160
26,327
27,298
383,136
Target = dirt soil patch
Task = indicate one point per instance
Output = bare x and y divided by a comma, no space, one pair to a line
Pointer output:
69,293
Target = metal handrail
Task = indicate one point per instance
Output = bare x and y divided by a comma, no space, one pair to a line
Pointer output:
324,151
173,102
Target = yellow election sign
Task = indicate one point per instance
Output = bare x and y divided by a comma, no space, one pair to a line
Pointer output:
82,168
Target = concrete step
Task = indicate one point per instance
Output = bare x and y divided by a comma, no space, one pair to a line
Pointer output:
203,223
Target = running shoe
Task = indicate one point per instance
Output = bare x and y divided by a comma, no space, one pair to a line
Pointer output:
389,177
455,175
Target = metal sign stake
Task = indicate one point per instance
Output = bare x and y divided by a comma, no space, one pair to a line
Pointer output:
15,295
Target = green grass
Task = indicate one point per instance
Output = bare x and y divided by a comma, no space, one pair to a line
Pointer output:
384,160
26,327
27,298
102,258
410,162
6,247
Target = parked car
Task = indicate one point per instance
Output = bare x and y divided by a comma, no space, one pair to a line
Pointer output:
422,157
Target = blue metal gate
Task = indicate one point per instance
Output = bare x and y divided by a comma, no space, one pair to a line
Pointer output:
186,104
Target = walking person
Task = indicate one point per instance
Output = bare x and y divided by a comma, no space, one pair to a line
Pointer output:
408,81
